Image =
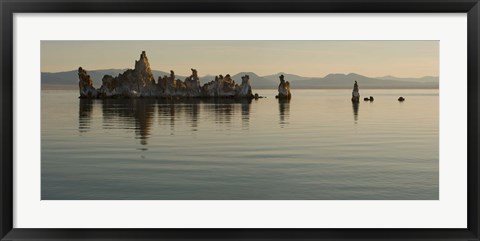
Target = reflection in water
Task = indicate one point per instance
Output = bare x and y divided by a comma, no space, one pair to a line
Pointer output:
192,110
84,114
138,114
246,113
355,106
284,110
224,109
134,114
166,113
319,155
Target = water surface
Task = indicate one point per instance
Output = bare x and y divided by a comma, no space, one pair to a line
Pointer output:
317,146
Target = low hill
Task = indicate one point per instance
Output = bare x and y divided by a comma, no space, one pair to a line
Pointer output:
346,81
69,79
274,77
257,82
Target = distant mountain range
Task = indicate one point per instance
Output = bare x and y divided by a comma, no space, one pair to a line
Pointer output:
69,79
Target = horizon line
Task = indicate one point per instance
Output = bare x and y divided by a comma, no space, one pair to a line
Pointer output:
388,75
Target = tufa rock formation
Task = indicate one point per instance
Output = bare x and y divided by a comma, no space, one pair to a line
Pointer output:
356,94
192,84
85,84
131,83
139,82
283,89
245,89
226,87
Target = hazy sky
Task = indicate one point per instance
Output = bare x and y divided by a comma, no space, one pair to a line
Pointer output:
306,58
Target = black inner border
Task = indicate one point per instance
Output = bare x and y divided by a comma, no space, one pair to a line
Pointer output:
9,7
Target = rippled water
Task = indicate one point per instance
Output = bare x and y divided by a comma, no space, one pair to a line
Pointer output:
316,146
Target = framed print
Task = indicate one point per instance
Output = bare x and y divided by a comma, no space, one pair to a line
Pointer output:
257,120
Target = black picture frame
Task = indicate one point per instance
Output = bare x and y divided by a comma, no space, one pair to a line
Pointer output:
9,7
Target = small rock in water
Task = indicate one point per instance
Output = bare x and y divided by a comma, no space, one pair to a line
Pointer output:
371,98
401,99
257,96
366,99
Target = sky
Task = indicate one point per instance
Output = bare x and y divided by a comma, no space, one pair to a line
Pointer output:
263,57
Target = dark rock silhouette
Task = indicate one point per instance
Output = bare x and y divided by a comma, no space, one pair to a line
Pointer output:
139,82
368,98
401,99
283,89
355,93
85,84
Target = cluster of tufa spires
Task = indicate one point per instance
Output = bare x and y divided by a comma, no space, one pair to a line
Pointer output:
139,82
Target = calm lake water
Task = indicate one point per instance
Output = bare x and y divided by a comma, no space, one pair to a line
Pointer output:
317,146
